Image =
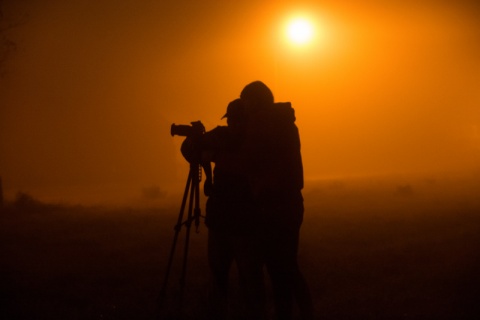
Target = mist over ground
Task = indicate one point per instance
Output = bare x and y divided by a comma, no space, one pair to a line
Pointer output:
378,249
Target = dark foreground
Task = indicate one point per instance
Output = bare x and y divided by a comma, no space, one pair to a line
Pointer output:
366,254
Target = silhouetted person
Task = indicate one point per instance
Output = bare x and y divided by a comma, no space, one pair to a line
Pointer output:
272,154
229,218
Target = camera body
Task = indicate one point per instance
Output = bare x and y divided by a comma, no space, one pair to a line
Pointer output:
195,129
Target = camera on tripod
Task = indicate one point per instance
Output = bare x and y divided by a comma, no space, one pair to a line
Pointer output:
192,151
192,145
195,129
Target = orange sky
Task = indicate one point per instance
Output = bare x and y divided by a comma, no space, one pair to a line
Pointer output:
89,93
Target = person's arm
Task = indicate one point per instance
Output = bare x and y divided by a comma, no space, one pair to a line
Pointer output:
209,145
208,184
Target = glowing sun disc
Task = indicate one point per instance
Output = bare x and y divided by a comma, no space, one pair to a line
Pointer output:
300,31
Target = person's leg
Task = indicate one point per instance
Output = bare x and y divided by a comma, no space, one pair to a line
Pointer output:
281,267
220,258
302,296
249,259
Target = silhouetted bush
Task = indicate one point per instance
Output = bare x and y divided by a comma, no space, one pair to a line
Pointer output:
405,190
26,201
153,193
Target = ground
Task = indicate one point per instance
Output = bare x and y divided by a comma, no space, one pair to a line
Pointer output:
381,252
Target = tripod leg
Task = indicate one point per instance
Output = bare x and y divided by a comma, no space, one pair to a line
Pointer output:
197,212
188,224
177,228
193,182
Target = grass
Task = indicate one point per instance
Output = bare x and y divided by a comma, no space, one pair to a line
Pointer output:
367,253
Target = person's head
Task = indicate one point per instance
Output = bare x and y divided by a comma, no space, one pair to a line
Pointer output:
256,95
236,115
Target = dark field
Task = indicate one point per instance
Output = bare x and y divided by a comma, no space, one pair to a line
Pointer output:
376,251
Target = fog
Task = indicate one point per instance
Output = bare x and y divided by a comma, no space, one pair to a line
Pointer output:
89,89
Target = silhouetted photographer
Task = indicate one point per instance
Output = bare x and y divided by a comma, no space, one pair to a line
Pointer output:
229,217
255,205
275,172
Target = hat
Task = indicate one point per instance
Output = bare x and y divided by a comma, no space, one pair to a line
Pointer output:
235,109
258,92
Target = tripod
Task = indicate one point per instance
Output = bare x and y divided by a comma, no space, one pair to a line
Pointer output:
193,215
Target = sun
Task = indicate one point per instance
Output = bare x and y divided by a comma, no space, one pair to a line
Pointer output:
299,31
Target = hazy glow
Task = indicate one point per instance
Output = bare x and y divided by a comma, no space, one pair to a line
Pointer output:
379,87
300,30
